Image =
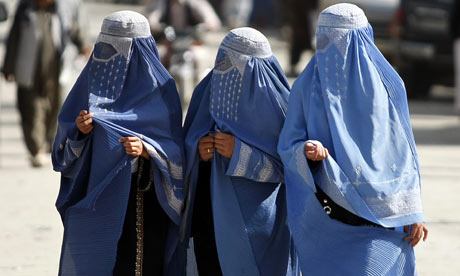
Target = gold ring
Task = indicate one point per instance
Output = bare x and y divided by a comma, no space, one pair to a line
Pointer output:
209,151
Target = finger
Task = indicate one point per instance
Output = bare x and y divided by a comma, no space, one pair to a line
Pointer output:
327,153
225,142
134,145
206,151
221,151
417,237
425,232
222,136
207,139
414,242
87,116
208,156
86,122
413,232
221,146
320,153
133,148
411,235
316,154
311,155
221,142
129,139
309,146
83,112
133,139
88,127
206,145
323,153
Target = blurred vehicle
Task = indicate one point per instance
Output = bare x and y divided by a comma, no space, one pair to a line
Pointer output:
380,14
3,12
424,55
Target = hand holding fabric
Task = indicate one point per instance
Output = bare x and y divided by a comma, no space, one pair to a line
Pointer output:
225,143
316,151
417,231
206,147
133,146
84,122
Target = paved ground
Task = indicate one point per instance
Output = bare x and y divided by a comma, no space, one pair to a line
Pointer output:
31,231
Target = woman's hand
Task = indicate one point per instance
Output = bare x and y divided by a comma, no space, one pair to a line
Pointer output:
418,230
225,144
316,151
134,146
84,122
206,147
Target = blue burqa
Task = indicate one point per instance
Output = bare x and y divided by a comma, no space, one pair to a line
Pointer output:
244,95
130,94
351,100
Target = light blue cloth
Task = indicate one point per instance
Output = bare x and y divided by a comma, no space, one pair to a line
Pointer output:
245,95
130,94
351,100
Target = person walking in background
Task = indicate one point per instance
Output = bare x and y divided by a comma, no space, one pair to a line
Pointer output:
299,15
455,32
37,38
119,149
182,15
351,166
236,209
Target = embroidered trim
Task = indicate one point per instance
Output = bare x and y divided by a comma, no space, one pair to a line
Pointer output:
396,205
140,217
357,182
121,44
243,161
175,203
267,171
237,60
175,170
139,232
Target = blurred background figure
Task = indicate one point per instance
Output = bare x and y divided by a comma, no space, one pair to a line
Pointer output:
182,15
177,26
455,31
36,41
3,12
236,13
301,16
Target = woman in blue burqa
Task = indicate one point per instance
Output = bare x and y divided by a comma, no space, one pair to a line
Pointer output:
119,149
351,167
236,202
